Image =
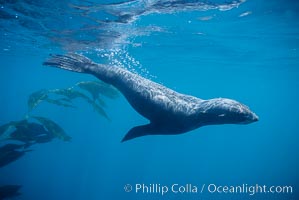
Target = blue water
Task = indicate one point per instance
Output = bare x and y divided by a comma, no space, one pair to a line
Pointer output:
243,50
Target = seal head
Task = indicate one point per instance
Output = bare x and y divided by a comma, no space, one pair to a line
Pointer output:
225,111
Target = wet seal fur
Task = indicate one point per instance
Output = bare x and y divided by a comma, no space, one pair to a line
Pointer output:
169,112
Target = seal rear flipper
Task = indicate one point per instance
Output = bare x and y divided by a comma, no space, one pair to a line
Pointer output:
139,131
71,62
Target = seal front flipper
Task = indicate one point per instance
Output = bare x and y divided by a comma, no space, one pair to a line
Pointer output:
138,131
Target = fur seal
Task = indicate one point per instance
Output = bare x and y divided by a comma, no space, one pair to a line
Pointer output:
169,112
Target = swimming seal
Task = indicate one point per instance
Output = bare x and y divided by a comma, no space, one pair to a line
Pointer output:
169,112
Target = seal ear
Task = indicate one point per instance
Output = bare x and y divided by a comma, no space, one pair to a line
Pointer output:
139,131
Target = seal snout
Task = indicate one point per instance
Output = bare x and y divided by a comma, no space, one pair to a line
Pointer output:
255,118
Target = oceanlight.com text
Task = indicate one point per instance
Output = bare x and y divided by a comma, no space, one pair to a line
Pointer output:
249,189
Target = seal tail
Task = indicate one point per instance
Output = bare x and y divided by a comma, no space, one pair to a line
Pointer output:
72,62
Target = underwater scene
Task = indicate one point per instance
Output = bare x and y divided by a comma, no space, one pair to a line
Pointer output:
149,99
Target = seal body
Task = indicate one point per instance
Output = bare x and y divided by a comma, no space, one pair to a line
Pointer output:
169,112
